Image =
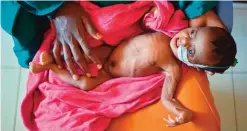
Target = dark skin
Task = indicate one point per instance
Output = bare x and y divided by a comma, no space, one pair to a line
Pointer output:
69,22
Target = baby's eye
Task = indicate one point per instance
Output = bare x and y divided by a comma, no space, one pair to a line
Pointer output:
191,52
192,33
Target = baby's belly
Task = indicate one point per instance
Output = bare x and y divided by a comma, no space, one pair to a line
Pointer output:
132,60
132,67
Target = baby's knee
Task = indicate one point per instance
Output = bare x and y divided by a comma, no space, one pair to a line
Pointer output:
91,83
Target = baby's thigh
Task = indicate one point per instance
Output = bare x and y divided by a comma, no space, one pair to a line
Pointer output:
93,82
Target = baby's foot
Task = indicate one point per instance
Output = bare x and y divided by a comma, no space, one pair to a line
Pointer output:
36,68
45,58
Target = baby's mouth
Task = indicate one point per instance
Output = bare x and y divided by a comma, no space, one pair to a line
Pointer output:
177,42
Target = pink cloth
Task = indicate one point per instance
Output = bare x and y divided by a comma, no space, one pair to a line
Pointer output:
52,105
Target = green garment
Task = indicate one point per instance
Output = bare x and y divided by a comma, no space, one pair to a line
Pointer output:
27,29
27,21
196,8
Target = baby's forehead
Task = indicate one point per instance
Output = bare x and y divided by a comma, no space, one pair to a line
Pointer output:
210,33
205,48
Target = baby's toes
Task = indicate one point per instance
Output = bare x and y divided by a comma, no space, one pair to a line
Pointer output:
35,68
45,58
32,67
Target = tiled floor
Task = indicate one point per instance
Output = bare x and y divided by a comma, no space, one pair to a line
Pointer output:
229,90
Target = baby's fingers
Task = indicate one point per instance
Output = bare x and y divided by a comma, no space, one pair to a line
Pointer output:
170,121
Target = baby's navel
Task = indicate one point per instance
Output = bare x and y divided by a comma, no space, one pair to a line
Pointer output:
112,63
153,63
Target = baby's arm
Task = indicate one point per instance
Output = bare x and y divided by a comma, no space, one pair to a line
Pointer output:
173,75
84,82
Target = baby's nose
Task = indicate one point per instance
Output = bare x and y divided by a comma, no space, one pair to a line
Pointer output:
185,41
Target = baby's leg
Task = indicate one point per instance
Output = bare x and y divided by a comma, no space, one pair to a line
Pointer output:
46,63
182,114
84,82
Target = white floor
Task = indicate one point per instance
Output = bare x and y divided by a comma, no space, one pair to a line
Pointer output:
229,89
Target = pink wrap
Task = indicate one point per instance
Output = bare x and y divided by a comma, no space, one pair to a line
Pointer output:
52,105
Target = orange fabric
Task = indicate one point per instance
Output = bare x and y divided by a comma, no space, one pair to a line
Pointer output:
193,92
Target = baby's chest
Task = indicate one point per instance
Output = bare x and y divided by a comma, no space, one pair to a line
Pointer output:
149,54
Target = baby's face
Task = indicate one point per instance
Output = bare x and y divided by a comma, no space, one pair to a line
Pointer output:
197,42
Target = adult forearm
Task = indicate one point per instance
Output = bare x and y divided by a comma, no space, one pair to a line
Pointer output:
210,18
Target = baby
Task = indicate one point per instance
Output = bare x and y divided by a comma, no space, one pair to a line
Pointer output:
207,48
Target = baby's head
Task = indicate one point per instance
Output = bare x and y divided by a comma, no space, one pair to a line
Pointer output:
209,48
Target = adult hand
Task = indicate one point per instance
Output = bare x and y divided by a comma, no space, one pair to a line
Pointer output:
70,22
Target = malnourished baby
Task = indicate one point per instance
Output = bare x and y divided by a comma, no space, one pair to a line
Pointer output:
208,48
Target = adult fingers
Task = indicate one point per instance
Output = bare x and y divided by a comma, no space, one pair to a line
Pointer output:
57,53
86,49
95,59
69,62
79,57
90,28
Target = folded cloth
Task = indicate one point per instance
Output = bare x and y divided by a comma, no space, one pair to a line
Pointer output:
52,105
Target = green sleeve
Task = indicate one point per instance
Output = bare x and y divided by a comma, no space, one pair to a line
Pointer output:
26,29
9,11
196,8
41,8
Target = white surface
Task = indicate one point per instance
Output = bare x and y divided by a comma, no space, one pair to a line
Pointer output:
8,58
240,86
9,87
240,35
22,90
222,90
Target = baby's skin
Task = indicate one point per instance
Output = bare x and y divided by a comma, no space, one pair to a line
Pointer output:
142,55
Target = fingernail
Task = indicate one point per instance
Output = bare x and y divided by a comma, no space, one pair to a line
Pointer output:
99,66
75,77
99,36
88,74
60,67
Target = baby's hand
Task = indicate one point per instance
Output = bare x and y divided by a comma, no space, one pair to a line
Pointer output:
184,117
171,122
